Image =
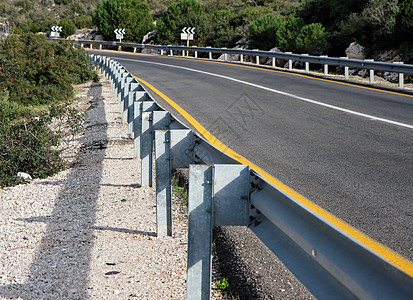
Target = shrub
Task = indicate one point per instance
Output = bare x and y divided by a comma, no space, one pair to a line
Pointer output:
68,27
313,39
83,22
36,71
180,14
132,15
263,32
33,72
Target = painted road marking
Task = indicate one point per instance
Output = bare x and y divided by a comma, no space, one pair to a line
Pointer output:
383,251
352,112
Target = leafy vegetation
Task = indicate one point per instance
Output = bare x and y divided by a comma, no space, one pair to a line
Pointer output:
36,77
132,15
310,26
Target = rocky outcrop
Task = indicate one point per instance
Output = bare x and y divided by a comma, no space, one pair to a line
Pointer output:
355,51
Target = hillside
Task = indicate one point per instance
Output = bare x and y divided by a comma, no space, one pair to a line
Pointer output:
290,25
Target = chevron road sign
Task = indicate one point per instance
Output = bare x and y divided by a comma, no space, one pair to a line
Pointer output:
188,30
188,34
56,31
119,34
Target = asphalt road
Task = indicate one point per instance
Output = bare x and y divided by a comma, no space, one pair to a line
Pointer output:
358,168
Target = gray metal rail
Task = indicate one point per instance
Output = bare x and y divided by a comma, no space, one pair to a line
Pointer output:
223,192
396,67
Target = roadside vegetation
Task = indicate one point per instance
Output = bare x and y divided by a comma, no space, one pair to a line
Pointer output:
36,78
302,26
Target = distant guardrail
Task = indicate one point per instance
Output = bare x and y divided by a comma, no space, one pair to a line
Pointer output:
346,63
223,192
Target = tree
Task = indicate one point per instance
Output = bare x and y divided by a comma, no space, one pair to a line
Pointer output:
263,32
223,23
132,15
180,14
404,20
313,39
288,32
68,27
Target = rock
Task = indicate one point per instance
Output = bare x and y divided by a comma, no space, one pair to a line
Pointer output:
149,37
24,176
388,56
353,72
390,76
232,57
363,73
355,51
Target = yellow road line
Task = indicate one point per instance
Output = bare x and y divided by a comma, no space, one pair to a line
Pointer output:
388,254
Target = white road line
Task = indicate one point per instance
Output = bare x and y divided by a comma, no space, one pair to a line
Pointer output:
370,117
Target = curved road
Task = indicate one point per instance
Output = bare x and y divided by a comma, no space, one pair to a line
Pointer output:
347,148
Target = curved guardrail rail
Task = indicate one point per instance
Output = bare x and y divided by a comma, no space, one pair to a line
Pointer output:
223,192
396,67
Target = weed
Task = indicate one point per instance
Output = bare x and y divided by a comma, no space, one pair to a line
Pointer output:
180,192
222,284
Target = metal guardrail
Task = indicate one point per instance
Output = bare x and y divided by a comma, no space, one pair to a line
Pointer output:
223,192
396,67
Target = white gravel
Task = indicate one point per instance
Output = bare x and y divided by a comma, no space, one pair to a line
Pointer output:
89,231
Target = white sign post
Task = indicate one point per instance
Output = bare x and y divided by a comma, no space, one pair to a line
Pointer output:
119,34
188,34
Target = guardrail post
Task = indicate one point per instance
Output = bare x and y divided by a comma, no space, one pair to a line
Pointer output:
173,149
171,53
306,65
200,222
325,66
163,183
135,94
346,69
218,196
209,53
273,62
125,97
91,46
371,72
225,54
257,58
151,121
401,77
139,107
290,62
241,58
100,46
161,52
196,54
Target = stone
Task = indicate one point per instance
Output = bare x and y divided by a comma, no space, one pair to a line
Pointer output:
24,176
149,37
391,76
355,51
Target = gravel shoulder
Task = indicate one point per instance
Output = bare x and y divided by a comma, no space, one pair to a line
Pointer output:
89,231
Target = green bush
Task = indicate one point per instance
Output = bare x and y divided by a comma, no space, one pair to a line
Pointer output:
36,71
263,32
83,22
312,39
180,14
132,15
288,33
68,27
